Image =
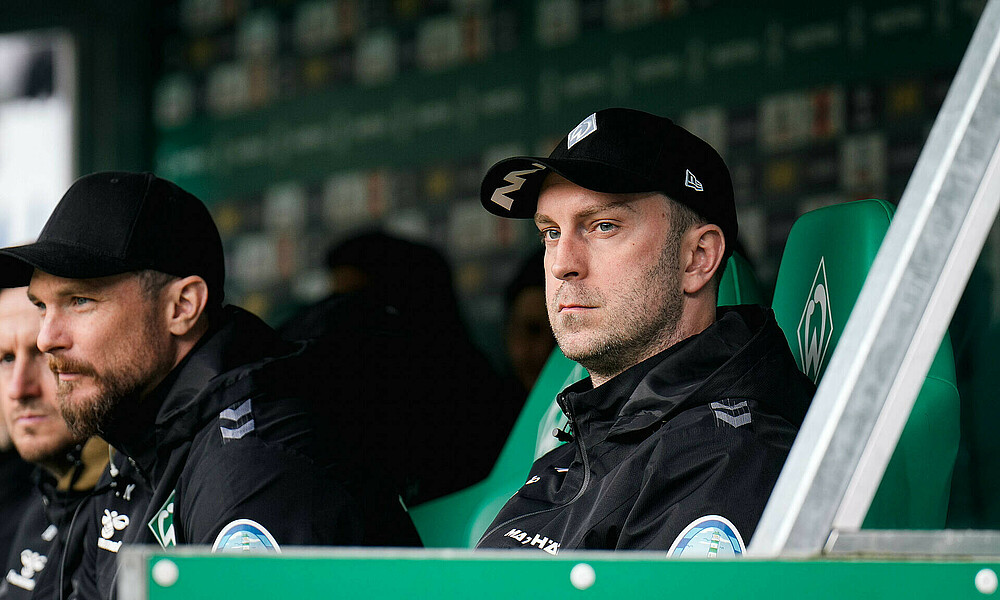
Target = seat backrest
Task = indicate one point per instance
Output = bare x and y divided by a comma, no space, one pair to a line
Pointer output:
826,260
739,284
459,519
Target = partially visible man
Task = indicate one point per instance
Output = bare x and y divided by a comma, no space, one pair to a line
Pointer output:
682,428
46,546
527,335
392,335
15,490
212,413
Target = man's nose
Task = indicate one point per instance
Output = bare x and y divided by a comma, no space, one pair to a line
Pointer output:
25,381
569,258
51,335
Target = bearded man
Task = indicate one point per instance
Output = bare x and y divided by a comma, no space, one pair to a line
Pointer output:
681,430
212,414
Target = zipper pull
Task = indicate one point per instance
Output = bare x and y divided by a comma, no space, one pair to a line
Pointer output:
563,435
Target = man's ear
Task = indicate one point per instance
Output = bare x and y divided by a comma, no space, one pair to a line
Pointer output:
703,249
186,301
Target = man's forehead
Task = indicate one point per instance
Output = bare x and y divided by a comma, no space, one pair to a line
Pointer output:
583,202
14,302
17,317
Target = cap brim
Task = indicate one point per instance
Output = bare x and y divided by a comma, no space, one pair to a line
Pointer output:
62,260
510,188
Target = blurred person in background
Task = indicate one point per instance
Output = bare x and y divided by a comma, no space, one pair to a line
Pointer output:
210,412
47,545
527,334
426,403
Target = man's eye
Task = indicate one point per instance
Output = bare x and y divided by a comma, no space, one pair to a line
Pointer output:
606,227
6,358
78,301
549,234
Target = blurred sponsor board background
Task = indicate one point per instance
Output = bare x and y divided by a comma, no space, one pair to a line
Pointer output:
299,122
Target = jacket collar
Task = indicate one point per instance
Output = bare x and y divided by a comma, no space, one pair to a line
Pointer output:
89,461
184,401
690,373
62,495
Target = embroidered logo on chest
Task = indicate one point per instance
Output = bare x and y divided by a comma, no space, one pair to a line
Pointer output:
538,541
31,563
111,523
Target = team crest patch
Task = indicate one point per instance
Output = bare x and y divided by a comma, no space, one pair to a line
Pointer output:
162,524
711,536
815,330
244,535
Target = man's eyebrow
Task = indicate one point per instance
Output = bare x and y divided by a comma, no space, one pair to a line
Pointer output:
625,205
607,206
598,209
540,218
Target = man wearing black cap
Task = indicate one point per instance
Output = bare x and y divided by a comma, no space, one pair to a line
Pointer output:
681,430
209,410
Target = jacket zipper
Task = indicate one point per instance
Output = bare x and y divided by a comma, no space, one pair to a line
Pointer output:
583,487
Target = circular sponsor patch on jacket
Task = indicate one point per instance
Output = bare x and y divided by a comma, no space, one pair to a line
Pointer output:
244,535
711,536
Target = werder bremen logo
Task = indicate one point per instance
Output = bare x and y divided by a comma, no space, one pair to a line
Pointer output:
162,524
816,325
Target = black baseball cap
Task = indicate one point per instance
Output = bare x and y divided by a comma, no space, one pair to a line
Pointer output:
116,222
622,151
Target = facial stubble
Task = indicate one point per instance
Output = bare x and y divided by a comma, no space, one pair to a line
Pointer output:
629,335
123,380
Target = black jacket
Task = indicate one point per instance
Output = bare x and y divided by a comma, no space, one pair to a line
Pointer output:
15,497
696,432
49,542
231,435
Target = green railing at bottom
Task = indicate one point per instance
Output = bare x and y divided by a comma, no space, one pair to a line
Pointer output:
444,574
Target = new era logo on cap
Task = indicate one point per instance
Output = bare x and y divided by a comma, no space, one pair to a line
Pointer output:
692,182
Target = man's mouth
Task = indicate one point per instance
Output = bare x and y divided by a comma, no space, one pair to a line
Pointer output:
68,370
66,375
29,418
570,307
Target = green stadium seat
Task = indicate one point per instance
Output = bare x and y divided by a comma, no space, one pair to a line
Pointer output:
459,519
739,284
826,260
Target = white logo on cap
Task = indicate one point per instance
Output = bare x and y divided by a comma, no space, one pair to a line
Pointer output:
585,128
516,180
692,182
